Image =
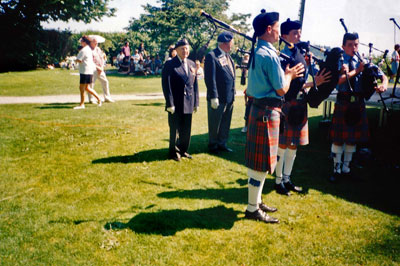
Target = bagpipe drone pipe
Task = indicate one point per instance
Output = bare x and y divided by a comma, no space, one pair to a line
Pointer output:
316,95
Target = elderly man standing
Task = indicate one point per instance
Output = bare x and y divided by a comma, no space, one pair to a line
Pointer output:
219,76
99,73
181,94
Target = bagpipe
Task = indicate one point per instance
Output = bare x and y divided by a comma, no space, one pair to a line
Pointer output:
316,95
370,74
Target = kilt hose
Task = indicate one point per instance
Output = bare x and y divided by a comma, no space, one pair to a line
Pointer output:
340,132
294,135
262,138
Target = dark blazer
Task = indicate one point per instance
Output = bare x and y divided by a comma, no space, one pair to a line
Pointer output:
219,79
180,90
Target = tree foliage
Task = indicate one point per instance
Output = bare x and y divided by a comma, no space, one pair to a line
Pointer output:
175,19
20,24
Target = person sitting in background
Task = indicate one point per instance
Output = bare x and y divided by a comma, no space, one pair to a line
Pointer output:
124,67
120,58
158,63
136,57
140,70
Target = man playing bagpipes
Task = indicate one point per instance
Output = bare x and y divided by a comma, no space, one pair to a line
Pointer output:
295,129
267,84
349,121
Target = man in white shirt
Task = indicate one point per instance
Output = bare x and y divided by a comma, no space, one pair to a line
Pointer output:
98,59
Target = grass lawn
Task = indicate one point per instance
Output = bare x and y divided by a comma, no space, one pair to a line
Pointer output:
62,81
94,187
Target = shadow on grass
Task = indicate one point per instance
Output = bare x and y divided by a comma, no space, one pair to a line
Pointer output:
149,104
379,177
57,106
115,73
168,222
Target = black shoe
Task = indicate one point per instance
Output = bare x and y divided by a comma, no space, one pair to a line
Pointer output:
186,155
175,157
259,215
224,148
266,208
280,189
213,150
290,186
334,177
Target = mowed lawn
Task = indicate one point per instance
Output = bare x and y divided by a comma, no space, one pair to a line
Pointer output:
94,187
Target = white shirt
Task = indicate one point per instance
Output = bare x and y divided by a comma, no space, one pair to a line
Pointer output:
87,66
184,62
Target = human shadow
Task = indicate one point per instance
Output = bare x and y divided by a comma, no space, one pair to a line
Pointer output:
149,104
226,195
168,222
57,106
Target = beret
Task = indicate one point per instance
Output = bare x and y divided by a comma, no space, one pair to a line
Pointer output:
289,25
226,36
181,43
263,20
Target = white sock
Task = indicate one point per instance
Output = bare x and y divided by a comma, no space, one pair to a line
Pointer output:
279,165
259,196
256,179
348,155
289,161
337,158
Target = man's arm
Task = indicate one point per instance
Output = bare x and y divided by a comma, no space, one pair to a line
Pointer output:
166,85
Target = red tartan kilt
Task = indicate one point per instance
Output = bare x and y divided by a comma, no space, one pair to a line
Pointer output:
262,139
294,135
340,132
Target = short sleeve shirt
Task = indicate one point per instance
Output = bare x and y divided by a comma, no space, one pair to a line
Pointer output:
87,66
267,75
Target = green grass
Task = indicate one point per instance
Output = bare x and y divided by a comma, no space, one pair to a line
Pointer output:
94,187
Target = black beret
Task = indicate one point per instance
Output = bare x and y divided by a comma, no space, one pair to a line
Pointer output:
226,36
289,25
263,20
181,43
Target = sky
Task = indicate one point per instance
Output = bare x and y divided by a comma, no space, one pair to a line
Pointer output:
321,25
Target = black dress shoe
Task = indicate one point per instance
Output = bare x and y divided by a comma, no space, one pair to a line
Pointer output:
291,187
266,208
175,157
213,151
186,155
259,215
280,189
224,148
334,178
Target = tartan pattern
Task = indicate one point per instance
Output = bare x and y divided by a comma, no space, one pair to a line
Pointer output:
262,139
294,135
340,132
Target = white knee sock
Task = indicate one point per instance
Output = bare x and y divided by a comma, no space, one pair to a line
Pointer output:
289,161
256,182
337,158
279,165
348,155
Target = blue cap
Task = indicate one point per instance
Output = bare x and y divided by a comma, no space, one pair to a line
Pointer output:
289,25
263,20
226,36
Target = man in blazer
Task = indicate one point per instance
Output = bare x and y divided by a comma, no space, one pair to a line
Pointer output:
219,76
181,94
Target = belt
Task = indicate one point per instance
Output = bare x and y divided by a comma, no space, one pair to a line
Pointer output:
349,98
267,102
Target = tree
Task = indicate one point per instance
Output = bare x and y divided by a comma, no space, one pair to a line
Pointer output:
176,19
20,26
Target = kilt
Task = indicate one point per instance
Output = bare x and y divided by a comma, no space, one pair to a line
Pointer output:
340,132
262,138
294,135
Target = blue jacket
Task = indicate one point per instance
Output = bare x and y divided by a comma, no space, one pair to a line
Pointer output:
180,90
219,79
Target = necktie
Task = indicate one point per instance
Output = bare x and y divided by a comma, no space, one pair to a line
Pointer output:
185,66
229,62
